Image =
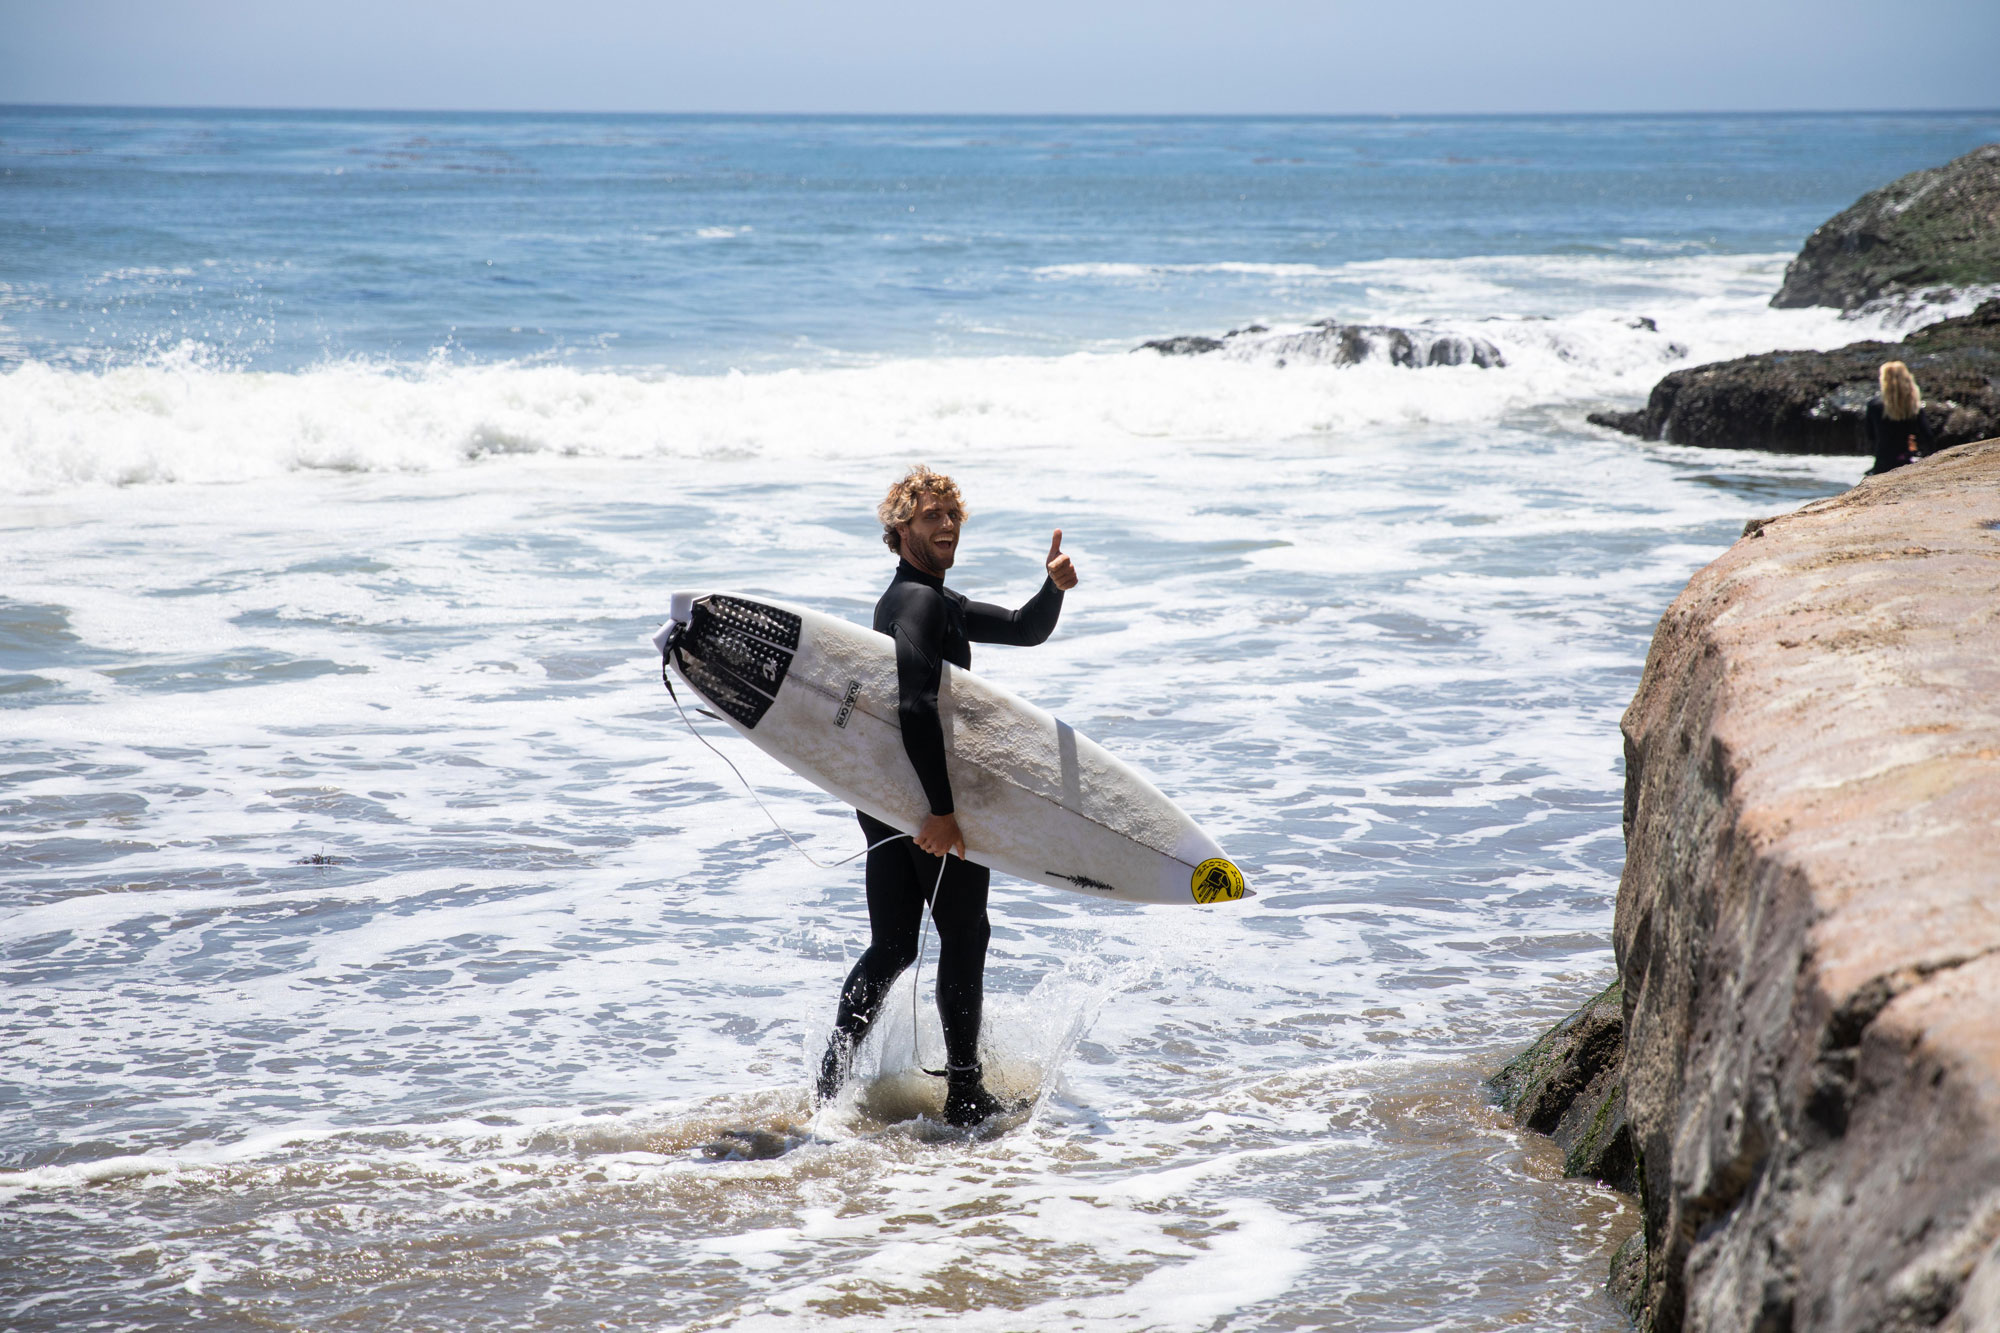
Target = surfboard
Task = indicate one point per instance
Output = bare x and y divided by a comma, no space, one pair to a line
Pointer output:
1036,799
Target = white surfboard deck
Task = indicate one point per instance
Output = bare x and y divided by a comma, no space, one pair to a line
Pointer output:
1035,798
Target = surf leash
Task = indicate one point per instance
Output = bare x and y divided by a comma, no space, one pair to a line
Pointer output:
668,681
929,920
917,976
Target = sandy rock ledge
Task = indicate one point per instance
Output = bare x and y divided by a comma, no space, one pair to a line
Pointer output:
1808,926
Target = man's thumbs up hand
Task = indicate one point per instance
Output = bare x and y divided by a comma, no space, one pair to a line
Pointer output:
1060,569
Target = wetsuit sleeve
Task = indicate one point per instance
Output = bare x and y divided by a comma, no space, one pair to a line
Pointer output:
1926,438
918,627
1032,624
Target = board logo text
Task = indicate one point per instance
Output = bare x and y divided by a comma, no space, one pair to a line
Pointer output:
847,704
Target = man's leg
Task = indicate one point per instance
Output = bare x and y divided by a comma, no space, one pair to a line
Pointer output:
895,907
963,933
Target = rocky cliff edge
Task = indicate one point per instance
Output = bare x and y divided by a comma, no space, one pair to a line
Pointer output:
1808,926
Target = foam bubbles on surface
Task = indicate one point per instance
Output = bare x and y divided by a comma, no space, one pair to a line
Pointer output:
383,951
1567,326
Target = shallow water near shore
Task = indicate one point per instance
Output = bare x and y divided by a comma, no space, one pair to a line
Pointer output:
459,1072
380,950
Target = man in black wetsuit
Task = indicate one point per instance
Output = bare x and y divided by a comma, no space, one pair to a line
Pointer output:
932,625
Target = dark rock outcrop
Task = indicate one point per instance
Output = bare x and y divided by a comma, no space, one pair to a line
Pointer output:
1814,402
1331,343
1939,227
1567,1086
1808,924
1184,344
1627,1279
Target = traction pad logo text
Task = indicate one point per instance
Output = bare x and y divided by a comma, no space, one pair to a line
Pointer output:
847,704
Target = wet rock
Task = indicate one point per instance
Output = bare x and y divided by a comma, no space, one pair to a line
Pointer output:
1539,1086
1627,1279
1631,423
1332,343
750,1145
1596,1136
1186,344
1816,402
1936,228
1567,1086
1808,925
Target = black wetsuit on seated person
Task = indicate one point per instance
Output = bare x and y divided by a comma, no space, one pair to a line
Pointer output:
1890,438
931,625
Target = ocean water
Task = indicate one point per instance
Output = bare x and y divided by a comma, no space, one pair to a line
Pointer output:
380,950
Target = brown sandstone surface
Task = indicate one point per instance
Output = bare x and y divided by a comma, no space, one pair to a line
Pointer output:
1808,926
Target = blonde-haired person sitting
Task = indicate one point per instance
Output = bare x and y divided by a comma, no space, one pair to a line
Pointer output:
1896,426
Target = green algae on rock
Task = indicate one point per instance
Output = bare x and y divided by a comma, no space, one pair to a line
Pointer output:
1567,1086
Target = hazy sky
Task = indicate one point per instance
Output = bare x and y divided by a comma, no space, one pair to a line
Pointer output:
1158,56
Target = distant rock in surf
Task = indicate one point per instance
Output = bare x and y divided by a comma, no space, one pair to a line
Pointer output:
1332,343
1936,228
1186,344
1803,402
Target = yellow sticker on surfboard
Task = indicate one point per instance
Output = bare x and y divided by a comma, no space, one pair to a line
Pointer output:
1216,881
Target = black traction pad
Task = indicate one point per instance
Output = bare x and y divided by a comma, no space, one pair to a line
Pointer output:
778,628
737,653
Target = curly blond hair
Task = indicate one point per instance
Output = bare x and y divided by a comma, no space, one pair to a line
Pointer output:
1900,399
899,506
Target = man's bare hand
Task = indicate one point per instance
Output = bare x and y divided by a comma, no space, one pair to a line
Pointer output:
1059,567
940,835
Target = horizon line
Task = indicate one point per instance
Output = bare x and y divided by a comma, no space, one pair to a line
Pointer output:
989,115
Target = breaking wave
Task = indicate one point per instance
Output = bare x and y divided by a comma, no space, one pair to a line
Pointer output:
1493,337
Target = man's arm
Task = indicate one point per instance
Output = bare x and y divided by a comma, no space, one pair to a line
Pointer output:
1032,624
918,628
1036,620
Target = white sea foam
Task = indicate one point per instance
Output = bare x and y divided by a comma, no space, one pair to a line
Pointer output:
1234,267
1373,627
1566,326
1913,310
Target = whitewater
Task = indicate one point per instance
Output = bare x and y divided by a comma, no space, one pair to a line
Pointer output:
381,950
178,416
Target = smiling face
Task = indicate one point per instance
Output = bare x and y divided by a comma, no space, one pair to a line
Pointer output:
929,540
